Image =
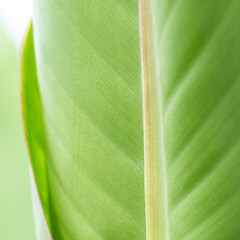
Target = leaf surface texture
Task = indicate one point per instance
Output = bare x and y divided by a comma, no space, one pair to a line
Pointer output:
88,137
91,108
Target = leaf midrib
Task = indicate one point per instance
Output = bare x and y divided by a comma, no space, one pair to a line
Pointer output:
156,202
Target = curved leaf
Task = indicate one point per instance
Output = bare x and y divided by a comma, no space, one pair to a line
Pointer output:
89,124
34,132
89,144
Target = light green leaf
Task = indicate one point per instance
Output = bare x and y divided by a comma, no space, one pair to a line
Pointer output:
90,172
192,55
84,121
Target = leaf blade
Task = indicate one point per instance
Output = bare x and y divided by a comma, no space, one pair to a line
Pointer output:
197,55
35,137
88,132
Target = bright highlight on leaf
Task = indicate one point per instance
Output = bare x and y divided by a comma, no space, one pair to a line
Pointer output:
132,118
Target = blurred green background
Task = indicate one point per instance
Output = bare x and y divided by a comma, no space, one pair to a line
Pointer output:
16,219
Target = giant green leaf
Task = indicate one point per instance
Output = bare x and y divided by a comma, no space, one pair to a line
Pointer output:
85,127
90,141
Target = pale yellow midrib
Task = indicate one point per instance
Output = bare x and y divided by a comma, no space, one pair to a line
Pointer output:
154,158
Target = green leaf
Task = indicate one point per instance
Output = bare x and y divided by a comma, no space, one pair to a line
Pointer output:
83,101
191,56
84,128
34,132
